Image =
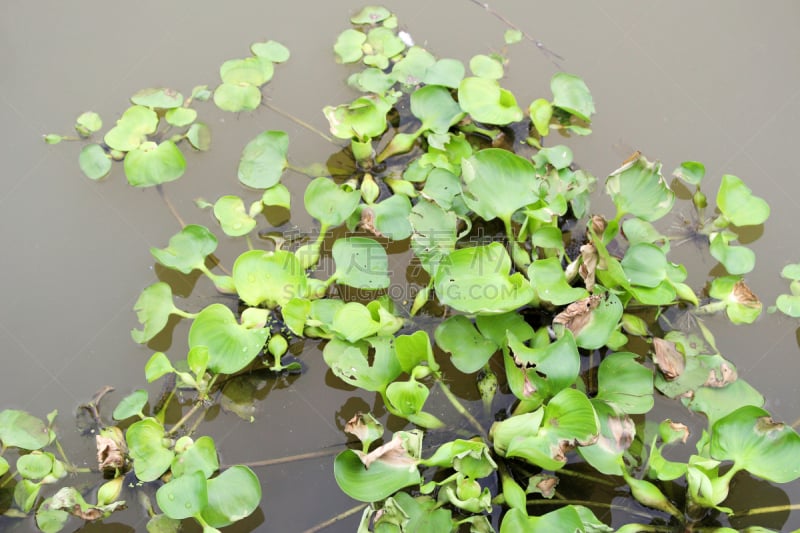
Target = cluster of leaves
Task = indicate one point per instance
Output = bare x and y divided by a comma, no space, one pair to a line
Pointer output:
526,307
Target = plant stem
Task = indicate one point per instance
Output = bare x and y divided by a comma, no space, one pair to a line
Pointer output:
769,509
197,406
170,206
536,42
297,121
333,520
592,503
294,458
460,408
588,477
711,308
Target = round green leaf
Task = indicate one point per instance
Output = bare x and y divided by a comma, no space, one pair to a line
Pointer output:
88,123
233,217
330,203
541,111
739,205
692,172
35,465
571,94
151,164
94,161
3,466
435,108
789,304
348,46
408,397
199,136
271,278
21,430
232,496
390,217
180,116
603,321
271,50
253,71
625,384
278,195
146,446
153,308
237,97
487,102
469,350
754,441
445,72
550,283
735,259
484,66
231,346
540,371
201,456
372,484
638,188
362,120
132,128
353,322
263,160
498,182
645,265
130,405
361,263
187,249
371,15
158,98
157,366
183,496
476,280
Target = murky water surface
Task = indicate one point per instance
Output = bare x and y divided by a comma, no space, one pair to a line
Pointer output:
713,81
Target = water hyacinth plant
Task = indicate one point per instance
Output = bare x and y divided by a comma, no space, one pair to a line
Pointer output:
567,323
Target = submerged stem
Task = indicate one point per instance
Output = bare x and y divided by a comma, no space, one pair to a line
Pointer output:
769,509
170,206
460,408
333,520
294,458
593,503
297,121
197,406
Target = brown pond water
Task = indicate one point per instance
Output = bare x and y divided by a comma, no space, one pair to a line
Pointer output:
715,81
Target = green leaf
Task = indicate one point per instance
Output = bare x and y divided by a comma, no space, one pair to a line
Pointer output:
277,195
487,102
571,94
371,15
541,111
484,66
253,71
88,123
130,405
271,50
717,402
35,465
272,278
741,305
158,365
391,217
263,160
132,128
735,259
353,322
197,359
94,161
512,36
379,481
638,188
755,442
476,280
739,205
407,397
161,98
187,249
361,263
200,455
199,136
180,116
21,430
150,164
362,120
550,283
540,371
349,362
233,217
232,496
330,203
153,308
692,172
625,384
435,108
645,265
146,445
616,434
498,182
469,350
445,72
348,46
231,346
235,97
183,496
412,350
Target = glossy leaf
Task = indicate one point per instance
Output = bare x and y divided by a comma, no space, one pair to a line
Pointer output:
484,66
362,120
548,280
199,136
349,363
150,164
739,205
754,441
379,481
469,350
277,195
87,123
232,496
233,216
271,278
200,455
94,161
741,305
253,71
146,445
237,97
35,465
638,188
153,308
132,128
477,280
131,405
330,203
271,50
183,496
161,98
540,371
571,94
541,111
187,249
180,116
735,259
487,102
22,430
692,172
231,346
625,384
498,183
263,160
361,263
435,108
348,46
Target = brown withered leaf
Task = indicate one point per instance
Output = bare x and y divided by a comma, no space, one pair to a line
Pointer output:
393,453
577,314
683,429
669,360
544,484
111,449
598,224
722,376
368,222
589,259
744,296
622,431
